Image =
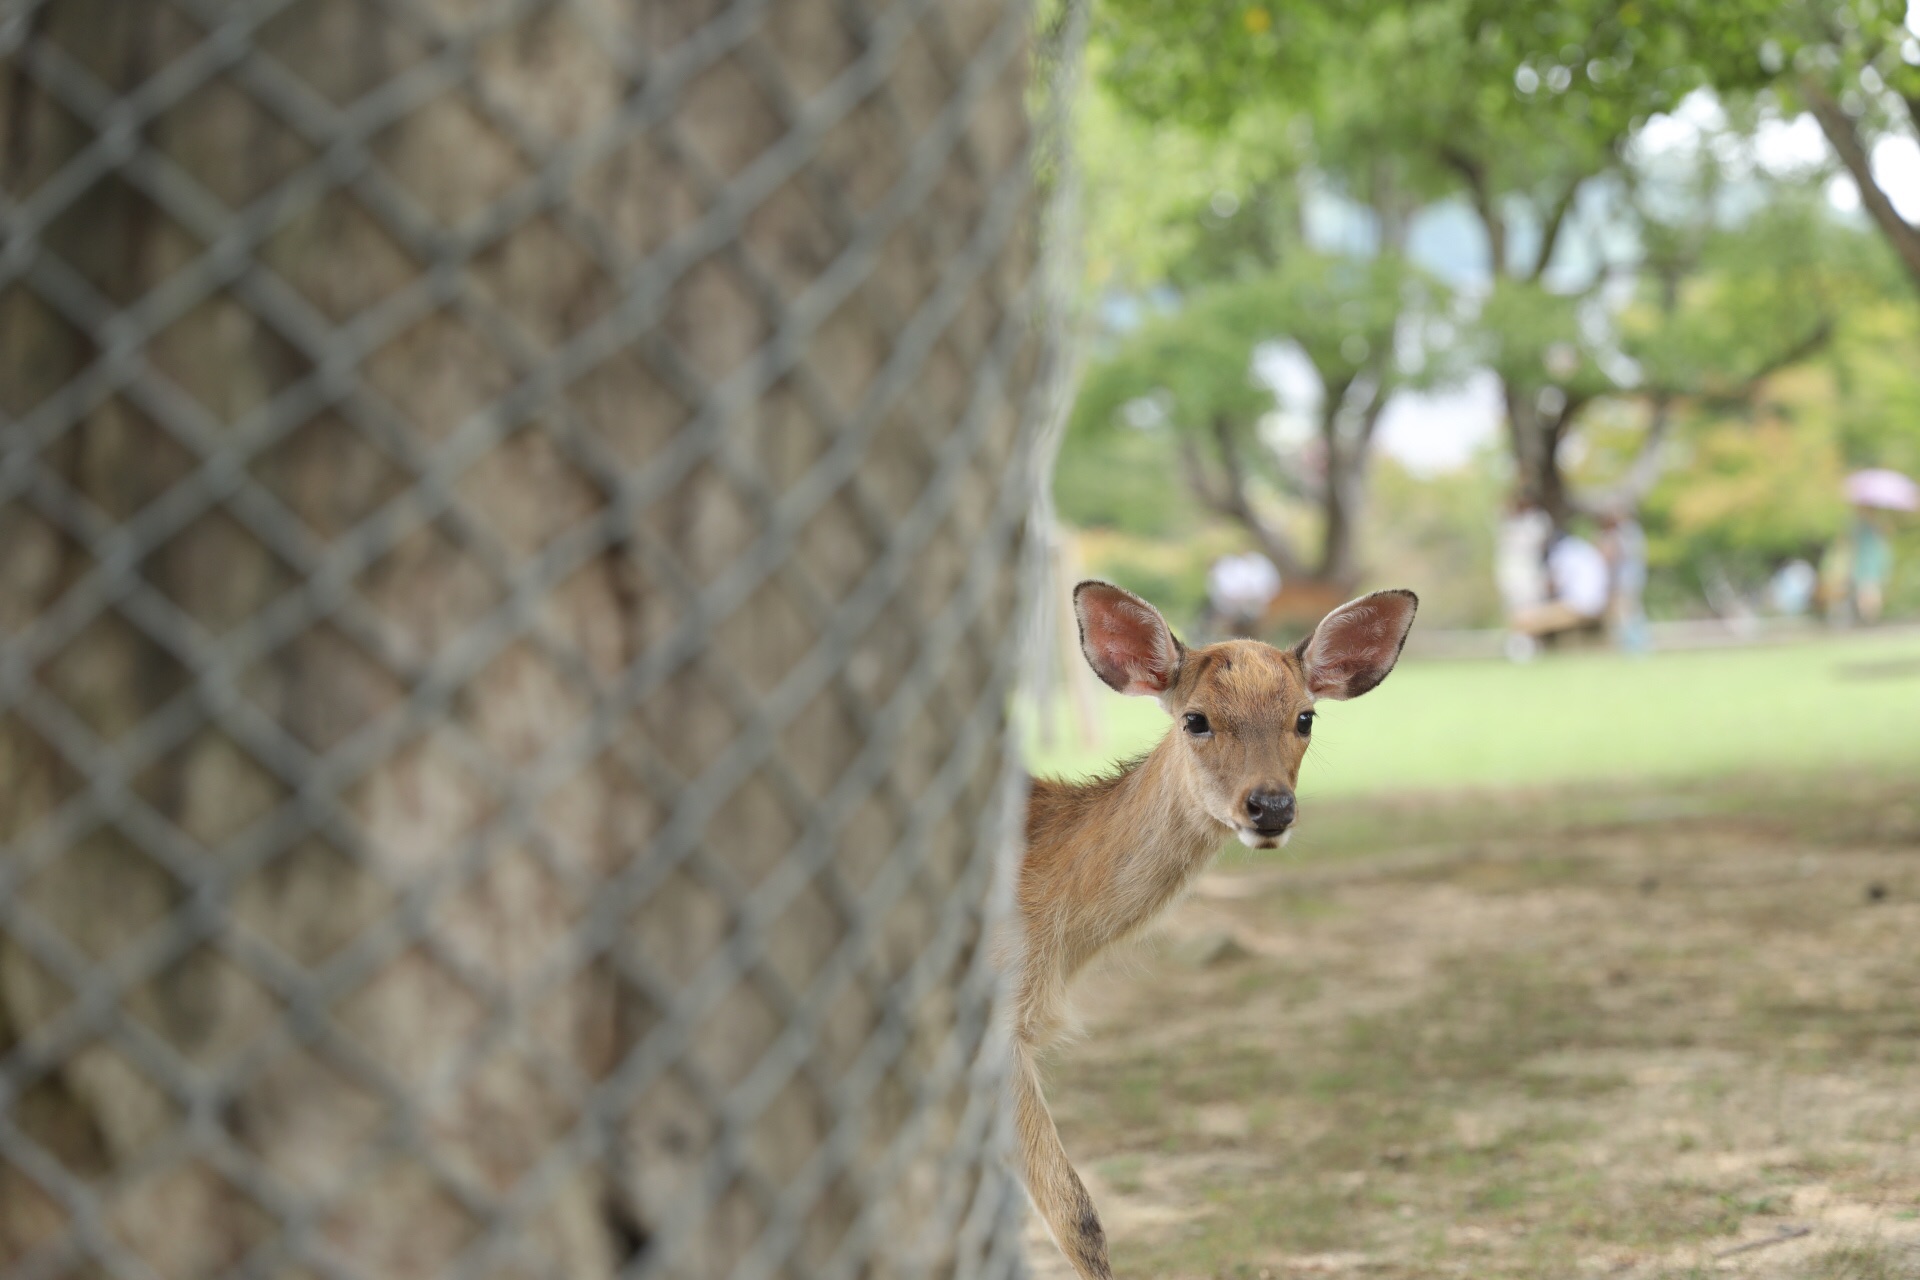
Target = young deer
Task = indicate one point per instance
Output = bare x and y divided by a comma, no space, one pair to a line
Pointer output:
1104,857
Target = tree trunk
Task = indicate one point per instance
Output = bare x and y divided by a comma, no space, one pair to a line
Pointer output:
1229,496
1843,133
1338,494
1532,436
1337,550
410,728
1343,497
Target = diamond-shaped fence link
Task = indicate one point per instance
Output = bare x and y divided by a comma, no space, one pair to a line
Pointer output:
512,514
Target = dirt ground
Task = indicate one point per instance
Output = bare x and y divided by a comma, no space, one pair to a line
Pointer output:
1652,1035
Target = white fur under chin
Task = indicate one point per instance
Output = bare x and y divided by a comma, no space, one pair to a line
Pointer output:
1254,840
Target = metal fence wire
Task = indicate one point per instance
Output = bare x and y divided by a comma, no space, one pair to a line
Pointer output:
512,517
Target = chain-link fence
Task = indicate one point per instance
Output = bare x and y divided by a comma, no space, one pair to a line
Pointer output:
511,519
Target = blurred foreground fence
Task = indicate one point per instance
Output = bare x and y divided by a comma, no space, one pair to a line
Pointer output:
511,522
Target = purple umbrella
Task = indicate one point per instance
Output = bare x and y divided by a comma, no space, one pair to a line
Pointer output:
1882,488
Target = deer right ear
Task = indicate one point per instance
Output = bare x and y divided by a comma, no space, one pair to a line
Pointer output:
1356,645
1126,641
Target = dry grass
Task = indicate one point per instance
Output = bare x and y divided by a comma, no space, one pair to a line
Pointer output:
1472,1041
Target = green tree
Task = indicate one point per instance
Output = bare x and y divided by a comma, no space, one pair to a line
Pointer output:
1763,465
1854,64
1171,204
1713,311
1523,110
1365,326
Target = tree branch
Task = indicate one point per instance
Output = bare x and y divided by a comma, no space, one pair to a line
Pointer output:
1550,233
1390,209
1197,479
1742,392
1647,465
1333,402
1478,188
1644,471
1230,498
1844,134
1815,338
1556,430
1648,462
1369,419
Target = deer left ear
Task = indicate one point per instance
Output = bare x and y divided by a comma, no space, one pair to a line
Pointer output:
1356,645
1125,640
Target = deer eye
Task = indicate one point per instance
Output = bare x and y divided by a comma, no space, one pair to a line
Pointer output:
1304,725
1197,724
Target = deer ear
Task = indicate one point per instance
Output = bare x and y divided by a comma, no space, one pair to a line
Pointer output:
1126,641
1356,645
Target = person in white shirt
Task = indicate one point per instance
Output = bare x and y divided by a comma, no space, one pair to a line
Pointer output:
1520,568
1581,586
1579,576
1239,588
1520,553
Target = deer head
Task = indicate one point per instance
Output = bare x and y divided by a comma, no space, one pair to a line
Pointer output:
1243,710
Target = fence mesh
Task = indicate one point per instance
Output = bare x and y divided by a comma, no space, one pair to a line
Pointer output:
511,520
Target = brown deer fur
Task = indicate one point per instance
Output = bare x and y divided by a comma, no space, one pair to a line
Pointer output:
1105,857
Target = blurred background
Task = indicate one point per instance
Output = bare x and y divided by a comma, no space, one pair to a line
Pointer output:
1635,281
530,547
1598,325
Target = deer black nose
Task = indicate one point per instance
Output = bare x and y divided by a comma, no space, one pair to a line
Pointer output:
1270,809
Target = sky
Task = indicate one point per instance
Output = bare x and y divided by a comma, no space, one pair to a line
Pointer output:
1438,431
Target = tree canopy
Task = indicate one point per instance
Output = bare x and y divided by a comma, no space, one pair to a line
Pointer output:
1361,325
1524,113
1256,172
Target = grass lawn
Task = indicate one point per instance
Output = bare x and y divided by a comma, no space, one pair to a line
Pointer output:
1848,703
1590,968
1489,1040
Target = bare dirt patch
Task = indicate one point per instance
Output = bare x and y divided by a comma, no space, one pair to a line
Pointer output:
1669,1036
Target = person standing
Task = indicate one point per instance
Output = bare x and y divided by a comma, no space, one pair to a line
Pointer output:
1578,581
1871,565
1624,544
1239,588
1791,590
1520,569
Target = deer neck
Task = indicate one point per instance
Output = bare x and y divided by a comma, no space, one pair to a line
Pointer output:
1154,819
1124,845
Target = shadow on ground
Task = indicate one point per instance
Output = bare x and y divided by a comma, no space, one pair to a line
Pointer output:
1638,1034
